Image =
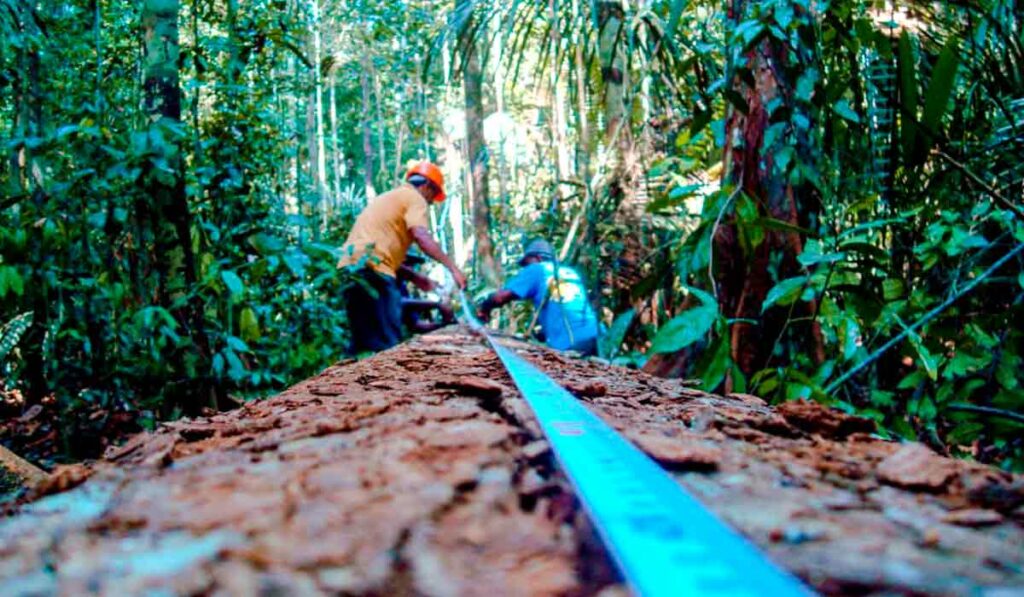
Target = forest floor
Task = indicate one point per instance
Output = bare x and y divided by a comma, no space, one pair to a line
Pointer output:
422,471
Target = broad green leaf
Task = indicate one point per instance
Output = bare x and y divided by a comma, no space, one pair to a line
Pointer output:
236,369
687,327
673,18
236,343
265,243
785,292
805,84
16,283
964,363
843,109
1008,371
926,409
812,255
233,282
10,281
892,289
248,326
908,97
296,262
612,339
882,398
912,380
941,86
927,360
851,337
715,365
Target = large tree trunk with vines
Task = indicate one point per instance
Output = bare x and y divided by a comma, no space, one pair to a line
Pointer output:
751,168
743,275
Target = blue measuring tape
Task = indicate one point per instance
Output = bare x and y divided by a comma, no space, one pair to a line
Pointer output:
662,539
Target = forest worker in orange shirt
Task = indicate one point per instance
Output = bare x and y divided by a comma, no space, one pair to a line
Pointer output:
377,245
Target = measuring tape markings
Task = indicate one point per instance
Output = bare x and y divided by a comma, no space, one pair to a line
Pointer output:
663,540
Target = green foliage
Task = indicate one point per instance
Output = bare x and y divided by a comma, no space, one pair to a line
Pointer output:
689,327
905,144
900,145
611,341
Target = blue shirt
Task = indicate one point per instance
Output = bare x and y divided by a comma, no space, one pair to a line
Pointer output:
565,317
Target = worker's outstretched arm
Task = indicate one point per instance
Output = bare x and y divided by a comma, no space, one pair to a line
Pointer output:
422,282
430,247
492,302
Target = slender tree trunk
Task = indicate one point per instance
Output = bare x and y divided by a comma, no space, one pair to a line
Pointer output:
453,160
299,118
613,67
558,118
583,149
320,163
337,159
378,104
18,109
197,86
29,117
170,217
312,149
476,148
364,82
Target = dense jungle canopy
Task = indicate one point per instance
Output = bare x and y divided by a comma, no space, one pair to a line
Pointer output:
788,198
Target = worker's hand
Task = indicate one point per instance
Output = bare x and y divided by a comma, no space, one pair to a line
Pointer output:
483,310
447,313
426,284
459,277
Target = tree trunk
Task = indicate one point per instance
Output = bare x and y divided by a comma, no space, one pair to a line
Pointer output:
197,86
169,215
476,148
364,82
382,154
320,162
558,119
613,71
742,281
582,113
336,158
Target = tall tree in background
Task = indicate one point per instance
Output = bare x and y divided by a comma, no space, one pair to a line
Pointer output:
476,148
162,210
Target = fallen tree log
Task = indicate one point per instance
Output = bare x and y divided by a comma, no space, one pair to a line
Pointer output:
24,470
421,471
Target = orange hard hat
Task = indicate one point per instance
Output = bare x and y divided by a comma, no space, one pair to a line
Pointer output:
430,172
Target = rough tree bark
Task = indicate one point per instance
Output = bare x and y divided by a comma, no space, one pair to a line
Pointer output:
742,281
421,471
